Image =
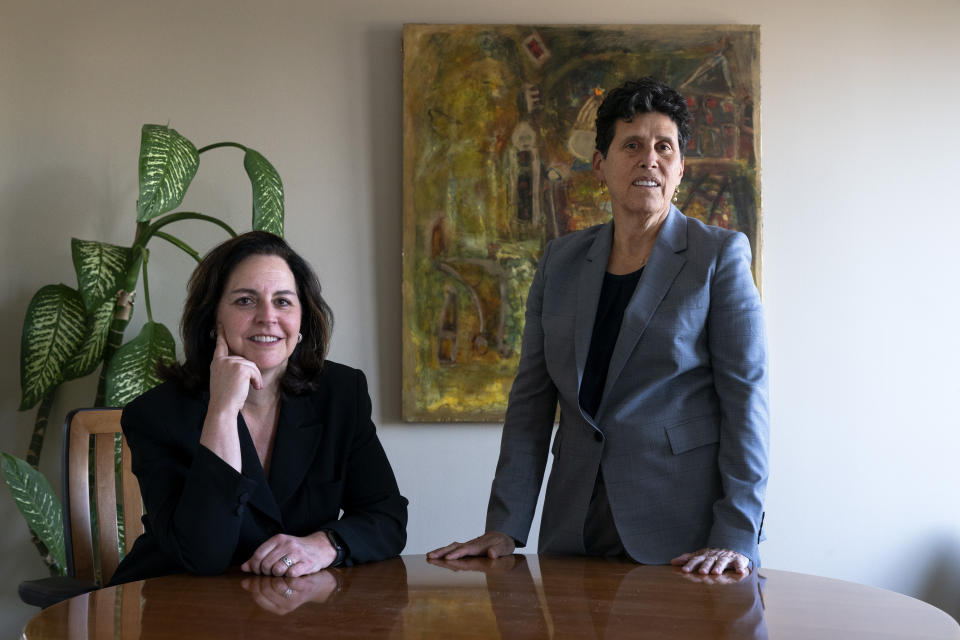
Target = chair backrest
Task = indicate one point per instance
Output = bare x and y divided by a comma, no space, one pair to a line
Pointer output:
102,425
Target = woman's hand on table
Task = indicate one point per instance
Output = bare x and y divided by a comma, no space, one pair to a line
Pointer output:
710,560
503,564
303,555
492,544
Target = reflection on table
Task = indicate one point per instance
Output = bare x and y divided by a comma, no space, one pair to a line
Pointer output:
513,597
612,598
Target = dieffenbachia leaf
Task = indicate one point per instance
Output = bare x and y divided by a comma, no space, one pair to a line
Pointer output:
100,269
267,193
86,358
168,162
52,332
39,505
133,368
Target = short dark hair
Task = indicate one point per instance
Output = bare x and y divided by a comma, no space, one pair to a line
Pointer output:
204,291
645,95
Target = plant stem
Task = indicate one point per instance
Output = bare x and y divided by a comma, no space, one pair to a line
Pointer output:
146,286
40,428
177,242
217,145
151,230
122,312
114,341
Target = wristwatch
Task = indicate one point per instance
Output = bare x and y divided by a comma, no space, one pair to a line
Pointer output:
338,547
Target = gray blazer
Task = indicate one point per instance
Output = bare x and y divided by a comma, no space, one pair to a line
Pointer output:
681,433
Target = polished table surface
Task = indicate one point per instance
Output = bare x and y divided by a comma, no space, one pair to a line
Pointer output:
513,597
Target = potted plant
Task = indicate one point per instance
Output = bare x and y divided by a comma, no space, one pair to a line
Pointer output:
70,332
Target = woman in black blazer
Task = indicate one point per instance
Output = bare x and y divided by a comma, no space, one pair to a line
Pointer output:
257,452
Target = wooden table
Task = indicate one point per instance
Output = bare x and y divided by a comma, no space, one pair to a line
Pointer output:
513,597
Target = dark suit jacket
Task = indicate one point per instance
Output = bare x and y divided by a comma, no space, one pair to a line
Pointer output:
202,516
681,431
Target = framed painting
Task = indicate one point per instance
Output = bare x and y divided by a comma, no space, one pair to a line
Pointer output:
498,138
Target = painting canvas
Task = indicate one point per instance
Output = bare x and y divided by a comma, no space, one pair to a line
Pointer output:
498,138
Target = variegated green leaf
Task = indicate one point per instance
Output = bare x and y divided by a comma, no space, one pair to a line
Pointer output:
267,193
168,162
52,332
86,358
133,368
100,268
39,505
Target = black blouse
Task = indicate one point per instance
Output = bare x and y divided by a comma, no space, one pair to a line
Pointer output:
614,297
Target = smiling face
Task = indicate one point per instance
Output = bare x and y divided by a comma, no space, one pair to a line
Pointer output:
643,166
259,313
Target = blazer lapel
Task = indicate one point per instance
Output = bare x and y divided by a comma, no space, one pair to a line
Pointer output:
298,436
262,497
588,295
666,260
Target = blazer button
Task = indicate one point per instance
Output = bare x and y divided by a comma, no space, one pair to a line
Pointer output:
598,436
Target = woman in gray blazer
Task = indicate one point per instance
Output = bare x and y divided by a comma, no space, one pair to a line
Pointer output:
648,333
258,452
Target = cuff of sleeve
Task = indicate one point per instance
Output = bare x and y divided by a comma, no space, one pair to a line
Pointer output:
234,488
519,537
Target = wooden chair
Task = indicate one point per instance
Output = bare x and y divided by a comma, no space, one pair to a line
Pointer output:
83,572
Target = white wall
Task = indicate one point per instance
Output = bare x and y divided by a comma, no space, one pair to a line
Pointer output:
860,140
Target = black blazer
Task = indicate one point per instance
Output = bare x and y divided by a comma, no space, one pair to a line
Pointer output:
202,516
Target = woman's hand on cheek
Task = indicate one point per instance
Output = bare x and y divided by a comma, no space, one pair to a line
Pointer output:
230,378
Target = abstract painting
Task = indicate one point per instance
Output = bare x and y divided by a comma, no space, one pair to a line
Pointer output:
498,138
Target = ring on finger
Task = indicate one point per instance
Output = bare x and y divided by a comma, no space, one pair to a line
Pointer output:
287,561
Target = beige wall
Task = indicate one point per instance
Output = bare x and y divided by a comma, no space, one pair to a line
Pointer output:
860,140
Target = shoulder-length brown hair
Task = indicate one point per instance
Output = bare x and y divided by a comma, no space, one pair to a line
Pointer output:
203,297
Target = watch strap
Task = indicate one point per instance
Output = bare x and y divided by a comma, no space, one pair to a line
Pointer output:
338,547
